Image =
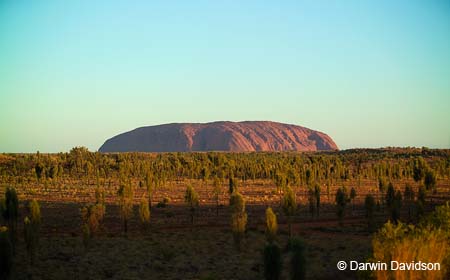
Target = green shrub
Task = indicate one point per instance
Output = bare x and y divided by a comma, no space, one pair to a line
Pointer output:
238,218
341,202
271,225
10,213
32,227
289,206
144,212
126,195
191,198
163,203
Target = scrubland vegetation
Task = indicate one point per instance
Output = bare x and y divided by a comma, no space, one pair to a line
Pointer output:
223,215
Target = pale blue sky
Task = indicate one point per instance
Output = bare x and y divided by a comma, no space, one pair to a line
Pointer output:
368,73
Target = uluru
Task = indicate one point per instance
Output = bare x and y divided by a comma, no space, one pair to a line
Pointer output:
247,136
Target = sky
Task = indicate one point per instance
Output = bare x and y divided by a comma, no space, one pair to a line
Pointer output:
367,73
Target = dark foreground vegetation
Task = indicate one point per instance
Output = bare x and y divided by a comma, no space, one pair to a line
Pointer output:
85,215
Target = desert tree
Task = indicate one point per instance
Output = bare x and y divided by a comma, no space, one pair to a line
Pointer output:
271,225
341,203
126,195
32,226
100,202
272,262
297,267
191,198
232,184
150,185
390,196
430,180
369,207
10,213
238,218
30,239
144,213
91,216
419,168
289,206
6,254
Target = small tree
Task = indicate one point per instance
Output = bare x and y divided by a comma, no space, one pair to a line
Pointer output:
144,213
419,168
298,259
191,198
341,203
369,205
238,218
272,262
100,204
91,216
232,185
10,213
32,226
271,225
289,206
126,195
149,183
390,196
6,254
430,180
35,213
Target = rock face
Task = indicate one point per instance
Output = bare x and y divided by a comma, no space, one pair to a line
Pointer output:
220,136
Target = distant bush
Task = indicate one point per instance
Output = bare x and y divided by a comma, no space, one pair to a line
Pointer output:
126,195
289,206
430,180
92,217
191,198
238,218
32,226
271,225
10,212
163,203
341,203
272,262
144,212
